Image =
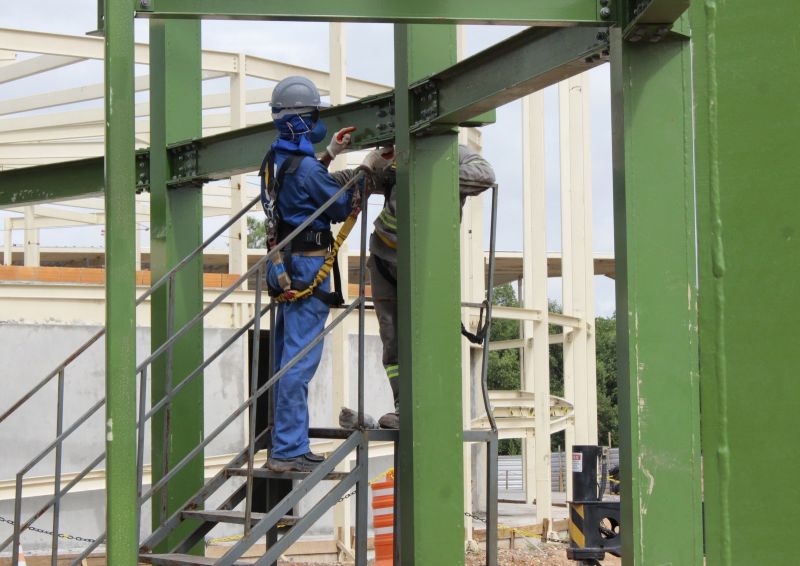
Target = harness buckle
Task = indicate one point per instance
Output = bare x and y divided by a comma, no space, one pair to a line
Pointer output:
318,238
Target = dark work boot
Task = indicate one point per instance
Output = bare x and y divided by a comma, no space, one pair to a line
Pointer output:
391,420
305,463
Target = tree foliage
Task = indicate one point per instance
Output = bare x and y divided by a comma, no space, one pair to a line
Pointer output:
256,233
504,367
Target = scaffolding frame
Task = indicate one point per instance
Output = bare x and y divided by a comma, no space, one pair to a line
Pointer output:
665,163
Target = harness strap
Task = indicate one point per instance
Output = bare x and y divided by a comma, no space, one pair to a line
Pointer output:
480,332
384,270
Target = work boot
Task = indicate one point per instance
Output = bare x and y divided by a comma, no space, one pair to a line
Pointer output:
304,463
348,418
390,420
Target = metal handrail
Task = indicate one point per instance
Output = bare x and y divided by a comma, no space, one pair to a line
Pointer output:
167,346
250,400
100,333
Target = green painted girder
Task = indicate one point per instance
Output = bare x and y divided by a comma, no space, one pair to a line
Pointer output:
657,342
524,63
57,181
748,219
122,508
176,229
431,465
241,151
528,12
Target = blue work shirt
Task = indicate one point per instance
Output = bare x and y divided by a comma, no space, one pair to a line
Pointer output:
304,192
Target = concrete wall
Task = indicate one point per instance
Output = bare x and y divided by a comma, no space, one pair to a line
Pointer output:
31,351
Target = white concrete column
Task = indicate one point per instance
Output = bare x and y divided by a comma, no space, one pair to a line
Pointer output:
7,241
577,248
237,250
31,253
340,397
536,353
577,265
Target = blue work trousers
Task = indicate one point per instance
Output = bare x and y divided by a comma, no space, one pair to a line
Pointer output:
296,324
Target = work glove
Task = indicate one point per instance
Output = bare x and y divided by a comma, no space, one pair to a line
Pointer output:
339,141
379,159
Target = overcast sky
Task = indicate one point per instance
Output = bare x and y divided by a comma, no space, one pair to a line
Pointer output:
370,56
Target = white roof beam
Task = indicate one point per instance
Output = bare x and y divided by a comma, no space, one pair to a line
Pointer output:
34,66
275,71
87,47
51,150
72,95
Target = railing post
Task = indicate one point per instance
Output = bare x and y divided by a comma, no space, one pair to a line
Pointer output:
251,431
57,475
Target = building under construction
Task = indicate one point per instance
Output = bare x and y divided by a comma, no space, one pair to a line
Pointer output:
136,419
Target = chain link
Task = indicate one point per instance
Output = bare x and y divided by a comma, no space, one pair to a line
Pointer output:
46,532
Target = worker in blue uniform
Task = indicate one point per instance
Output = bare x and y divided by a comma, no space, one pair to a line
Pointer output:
305,185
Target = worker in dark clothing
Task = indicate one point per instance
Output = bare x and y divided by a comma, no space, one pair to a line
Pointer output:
475,176
304,186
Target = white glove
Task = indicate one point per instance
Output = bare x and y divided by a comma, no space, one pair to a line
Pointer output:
339,141
379,159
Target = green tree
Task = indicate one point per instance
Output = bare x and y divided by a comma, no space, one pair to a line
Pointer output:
256,233
607,411
504,368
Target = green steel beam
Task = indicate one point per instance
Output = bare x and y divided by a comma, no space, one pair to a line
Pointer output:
527,62
528,12
176,229
122,509
746,80
431,473
241,151
650,12
656,302
463,95
58,181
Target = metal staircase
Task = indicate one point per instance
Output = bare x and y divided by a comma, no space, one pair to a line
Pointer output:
278,521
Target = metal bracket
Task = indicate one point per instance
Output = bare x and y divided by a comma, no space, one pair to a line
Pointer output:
425,103
384,115
652,33
142,171
184,164
652,20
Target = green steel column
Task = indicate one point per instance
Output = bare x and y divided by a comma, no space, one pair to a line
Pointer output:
120,181
176,229
656,302
431,451
748,119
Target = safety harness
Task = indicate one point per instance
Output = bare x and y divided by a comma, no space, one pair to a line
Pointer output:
306,241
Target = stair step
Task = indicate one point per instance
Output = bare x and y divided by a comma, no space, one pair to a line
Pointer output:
183,560
265,473
224,516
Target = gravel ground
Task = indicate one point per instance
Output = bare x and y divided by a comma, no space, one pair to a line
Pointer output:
551,554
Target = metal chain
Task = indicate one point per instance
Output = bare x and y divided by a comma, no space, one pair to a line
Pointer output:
46,532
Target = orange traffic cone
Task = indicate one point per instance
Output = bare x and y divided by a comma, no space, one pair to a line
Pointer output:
21,556
383,520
